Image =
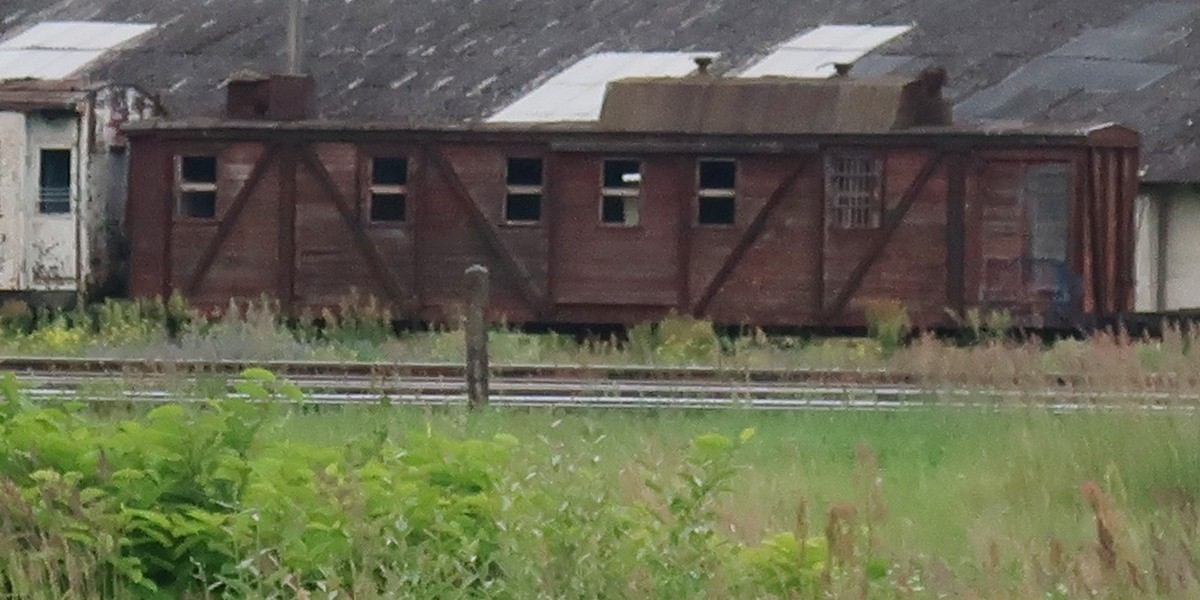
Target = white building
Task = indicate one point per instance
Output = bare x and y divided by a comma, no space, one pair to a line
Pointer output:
62,160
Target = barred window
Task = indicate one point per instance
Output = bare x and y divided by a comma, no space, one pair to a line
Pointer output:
854,191
54,182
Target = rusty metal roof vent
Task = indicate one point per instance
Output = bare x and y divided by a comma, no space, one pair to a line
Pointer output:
934,79
843,69
703,63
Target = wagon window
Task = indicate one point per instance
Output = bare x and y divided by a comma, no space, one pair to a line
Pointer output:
54,182
196,187
854,191
1046,198
621,193
523,202
389,189
1045,195
718,182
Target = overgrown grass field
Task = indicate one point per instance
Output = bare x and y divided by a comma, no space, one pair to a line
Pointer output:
951,479
949,484
280,500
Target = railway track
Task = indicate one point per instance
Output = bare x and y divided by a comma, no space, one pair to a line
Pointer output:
563,387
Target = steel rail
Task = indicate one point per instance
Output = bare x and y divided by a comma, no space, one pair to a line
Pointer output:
601,393
33,365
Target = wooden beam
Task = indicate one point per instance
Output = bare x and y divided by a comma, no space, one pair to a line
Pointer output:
516,271
748,238
287,229
688,207
229,219
891,223
956,233
350,219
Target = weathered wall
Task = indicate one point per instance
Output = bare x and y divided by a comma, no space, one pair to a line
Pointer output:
1148,218
50,241
292,222
1168,255
12,184
108,184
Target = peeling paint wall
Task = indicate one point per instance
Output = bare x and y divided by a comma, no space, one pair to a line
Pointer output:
108,178
12,183
50,240
42,251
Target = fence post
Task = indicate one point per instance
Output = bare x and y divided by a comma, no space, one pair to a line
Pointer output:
478,291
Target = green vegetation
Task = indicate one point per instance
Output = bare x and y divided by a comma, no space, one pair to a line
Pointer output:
986,353
278,499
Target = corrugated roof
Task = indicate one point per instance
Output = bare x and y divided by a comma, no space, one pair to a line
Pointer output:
456,60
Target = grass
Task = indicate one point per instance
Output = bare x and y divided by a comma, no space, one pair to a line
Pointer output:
282,499
987,352
957,486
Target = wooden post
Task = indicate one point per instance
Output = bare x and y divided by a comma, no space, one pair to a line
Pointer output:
478,291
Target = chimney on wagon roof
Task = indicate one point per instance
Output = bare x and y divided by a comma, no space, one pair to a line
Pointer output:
703,63
257,97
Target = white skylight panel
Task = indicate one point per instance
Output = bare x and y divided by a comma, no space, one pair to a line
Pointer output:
57,49
801,63
577,93
846,37
75,35
815,52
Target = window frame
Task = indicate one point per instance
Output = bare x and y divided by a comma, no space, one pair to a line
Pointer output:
625,193
703,193
838,206
511,190
182,186
71,175
373,189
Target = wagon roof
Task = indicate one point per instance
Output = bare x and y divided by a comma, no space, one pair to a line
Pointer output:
454,61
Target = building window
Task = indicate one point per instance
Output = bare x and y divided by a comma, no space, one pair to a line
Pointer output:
389,189
54,182
854,191
621,193
196,186
718,184
523,202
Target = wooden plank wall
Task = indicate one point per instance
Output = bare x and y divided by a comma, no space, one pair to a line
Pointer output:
949,234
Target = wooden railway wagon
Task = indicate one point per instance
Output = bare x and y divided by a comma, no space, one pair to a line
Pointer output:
772,202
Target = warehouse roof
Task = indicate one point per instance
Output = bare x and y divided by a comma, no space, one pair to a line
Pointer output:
1125,61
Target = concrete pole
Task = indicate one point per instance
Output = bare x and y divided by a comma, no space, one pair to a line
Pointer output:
478,292
295,37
